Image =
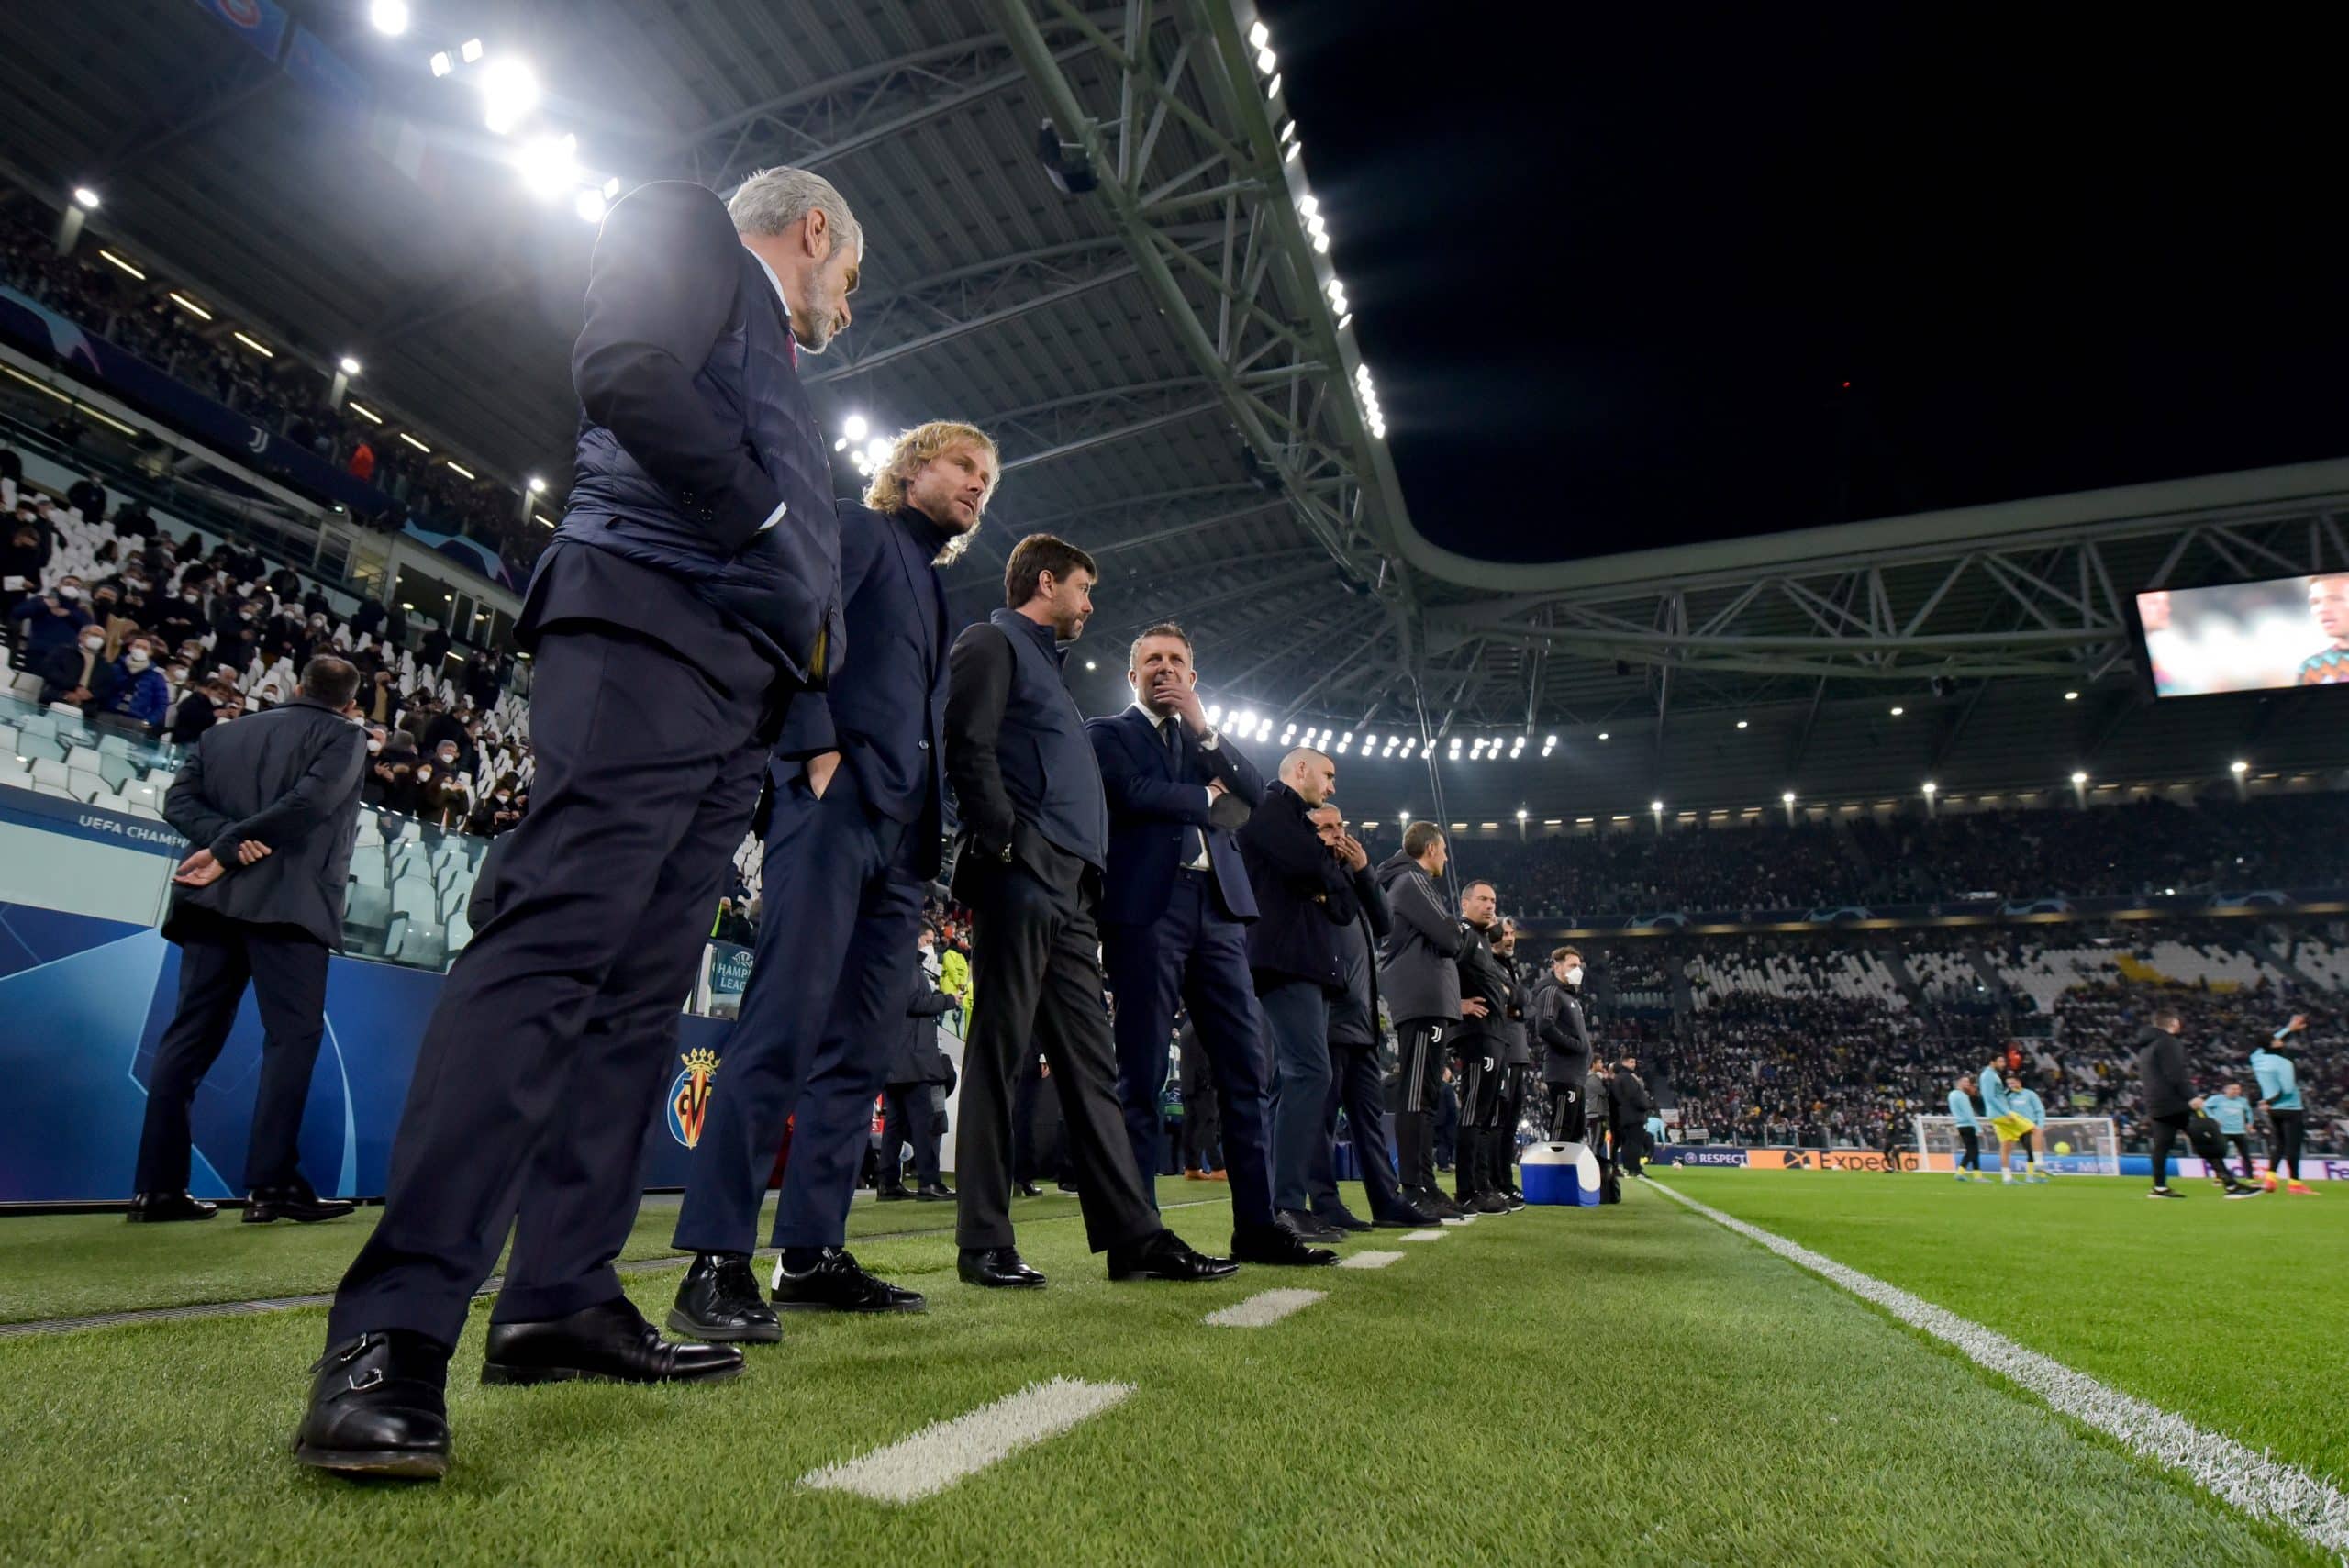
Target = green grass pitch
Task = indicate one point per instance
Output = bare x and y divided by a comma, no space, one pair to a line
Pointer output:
1633,1384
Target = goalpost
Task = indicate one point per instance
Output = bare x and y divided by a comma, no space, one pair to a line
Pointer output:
2067,1145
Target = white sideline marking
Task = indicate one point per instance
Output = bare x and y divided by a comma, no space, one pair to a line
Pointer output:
1371,1260
2265,1487
943,1453
1420,1235
1264,1308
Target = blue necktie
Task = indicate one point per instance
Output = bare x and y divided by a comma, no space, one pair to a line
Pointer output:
1192,847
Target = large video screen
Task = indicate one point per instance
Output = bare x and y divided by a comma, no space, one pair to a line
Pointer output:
2248,636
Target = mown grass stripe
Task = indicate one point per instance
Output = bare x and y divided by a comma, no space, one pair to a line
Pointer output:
943,1453
1420,1235
1370,1259
2259,1485
1263,1309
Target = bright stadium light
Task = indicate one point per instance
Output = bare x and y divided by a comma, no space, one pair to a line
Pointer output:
442,63
590,205
1273,88
1602,735
469,51
2071,696
1897,710
2079,778
389,16
1521,814
1267,61
348,365
1787,799
549,164
1215,715
1259,35
2238,767
85,198
1656,807
509,91
1740,723
537,485
1930,786
876,451
1293,149
856,428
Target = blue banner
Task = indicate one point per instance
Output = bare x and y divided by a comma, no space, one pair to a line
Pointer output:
58,341
260,23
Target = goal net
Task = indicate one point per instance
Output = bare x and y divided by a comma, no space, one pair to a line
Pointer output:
2066,1145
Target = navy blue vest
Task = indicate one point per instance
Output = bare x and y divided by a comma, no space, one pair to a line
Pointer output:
783,589
1048,769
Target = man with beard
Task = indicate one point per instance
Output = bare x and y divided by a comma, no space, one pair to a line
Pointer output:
1029,858
1480,1049
856,801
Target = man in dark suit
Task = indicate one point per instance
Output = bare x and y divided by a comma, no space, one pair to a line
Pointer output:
913,1100
1478,1048
1175,912
1357,1086
271,805
1629,1103
693,586
1034,839
1308,874
858,793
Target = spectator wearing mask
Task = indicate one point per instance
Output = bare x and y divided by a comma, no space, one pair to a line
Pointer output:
79,673
1562,1031
47,622
197,712
141,695
392,784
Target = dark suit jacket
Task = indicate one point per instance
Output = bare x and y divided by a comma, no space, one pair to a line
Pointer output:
1152,799
885,709
2161,1072
1303,895
289,778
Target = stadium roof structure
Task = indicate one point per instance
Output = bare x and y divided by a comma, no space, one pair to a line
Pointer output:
1091,229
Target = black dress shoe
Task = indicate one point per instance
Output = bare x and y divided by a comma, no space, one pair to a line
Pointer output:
376,1409
996,1268
719,1300
1166,1256
609,1342
934,1192
156,1208
1027,1189
1305,1228
892,1194
1405,1215
1340,1218
300,1205
1278,1245
837,1285
1064,1186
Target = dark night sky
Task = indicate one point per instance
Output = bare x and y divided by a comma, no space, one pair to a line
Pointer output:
1611,265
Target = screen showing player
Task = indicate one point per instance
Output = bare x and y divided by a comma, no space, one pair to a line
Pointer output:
2244,637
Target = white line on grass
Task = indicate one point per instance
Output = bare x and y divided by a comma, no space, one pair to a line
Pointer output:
945,1451
1264,1308
2265,1487
1371,1260
1420,1235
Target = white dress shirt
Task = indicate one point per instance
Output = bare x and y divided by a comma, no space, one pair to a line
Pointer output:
1159,721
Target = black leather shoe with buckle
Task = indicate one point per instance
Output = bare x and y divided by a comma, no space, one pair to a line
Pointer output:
376,1409
608,1343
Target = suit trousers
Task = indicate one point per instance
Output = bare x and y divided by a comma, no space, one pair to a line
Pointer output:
1038,980
1421,1065
1035,1135
1297,1022
829,976
1357,1088
540,1070
218,957
1202,1128
1198,956
909,1117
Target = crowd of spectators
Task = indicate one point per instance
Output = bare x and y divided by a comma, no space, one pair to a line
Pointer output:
282,393
2150,850
157,637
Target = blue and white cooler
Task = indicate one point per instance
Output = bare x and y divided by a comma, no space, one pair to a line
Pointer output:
1564,1175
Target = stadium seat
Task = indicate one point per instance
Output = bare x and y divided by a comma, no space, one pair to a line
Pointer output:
367,908
116,770
416,896
425,947
367,867
26,686
50,778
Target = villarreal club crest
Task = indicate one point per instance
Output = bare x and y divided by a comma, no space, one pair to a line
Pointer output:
689,1096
